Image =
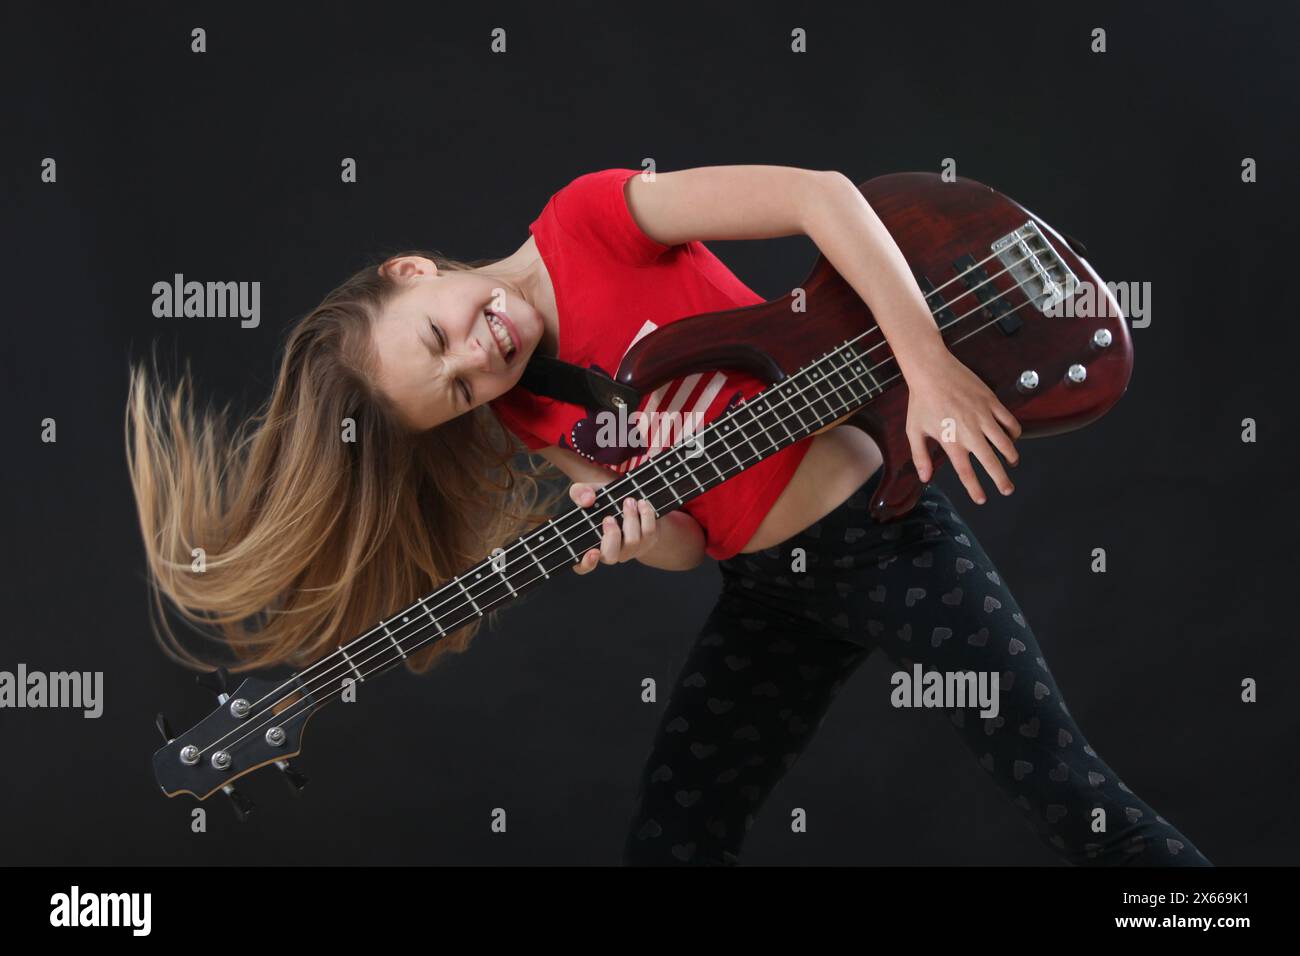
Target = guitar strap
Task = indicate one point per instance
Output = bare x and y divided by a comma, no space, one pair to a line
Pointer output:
554,378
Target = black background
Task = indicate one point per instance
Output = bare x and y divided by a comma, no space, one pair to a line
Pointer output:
226,165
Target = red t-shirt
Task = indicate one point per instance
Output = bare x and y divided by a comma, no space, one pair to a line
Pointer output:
613,285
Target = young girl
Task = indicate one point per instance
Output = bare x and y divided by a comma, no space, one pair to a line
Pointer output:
380,468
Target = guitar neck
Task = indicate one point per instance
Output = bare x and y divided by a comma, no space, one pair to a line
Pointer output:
782,414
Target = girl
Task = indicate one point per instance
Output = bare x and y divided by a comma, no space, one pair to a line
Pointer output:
380,468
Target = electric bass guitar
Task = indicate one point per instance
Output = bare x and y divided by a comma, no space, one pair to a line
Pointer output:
1015,301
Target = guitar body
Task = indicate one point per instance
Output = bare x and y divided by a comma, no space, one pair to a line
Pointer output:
935,224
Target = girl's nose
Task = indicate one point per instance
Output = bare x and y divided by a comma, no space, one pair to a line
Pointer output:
472,356
479,357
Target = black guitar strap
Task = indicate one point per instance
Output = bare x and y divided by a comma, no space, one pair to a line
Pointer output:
589,388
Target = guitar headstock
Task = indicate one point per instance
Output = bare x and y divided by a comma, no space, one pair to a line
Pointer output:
260,722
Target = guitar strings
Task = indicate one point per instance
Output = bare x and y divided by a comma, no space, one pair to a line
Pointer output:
836,392
424,631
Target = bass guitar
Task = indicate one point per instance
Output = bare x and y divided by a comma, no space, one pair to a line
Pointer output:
1002,287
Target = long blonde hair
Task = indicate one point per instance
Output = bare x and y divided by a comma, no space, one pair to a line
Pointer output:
308,540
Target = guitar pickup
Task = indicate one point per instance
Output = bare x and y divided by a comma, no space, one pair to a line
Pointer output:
994,302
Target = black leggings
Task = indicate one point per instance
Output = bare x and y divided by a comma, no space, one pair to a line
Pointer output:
782,640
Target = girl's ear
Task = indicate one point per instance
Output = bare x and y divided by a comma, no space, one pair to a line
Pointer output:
399,267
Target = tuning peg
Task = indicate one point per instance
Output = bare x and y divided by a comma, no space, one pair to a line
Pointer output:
296,780
214,681
241,804
164,728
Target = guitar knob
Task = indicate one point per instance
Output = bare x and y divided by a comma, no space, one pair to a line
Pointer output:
1076,373
164,728
296,780
1028,381
239,803
1101,338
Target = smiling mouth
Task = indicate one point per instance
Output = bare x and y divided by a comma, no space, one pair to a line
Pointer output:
500,334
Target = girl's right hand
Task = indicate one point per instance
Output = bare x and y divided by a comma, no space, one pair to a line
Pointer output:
949,403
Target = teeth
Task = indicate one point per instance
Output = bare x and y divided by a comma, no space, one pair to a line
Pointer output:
500,334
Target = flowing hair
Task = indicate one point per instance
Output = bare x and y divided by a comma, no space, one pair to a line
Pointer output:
280,539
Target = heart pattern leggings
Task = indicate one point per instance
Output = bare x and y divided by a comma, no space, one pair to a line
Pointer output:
782,640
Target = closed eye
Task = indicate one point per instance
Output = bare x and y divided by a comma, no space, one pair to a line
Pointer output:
442,347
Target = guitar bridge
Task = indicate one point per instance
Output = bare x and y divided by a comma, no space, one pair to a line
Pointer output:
1035,267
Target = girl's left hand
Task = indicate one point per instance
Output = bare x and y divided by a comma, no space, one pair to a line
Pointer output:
634,540
949,403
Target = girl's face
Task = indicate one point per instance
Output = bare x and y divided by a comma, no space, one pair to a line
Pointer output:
450,341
